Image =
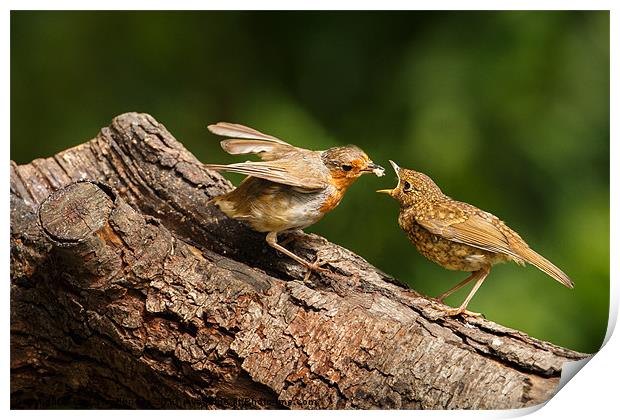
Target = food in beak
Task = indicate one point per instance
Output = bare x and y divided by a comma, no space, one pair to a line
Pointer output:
376,169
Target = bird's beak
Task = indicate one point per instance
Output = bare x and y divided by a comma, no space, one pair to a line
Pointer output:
395,166
375,169
397,170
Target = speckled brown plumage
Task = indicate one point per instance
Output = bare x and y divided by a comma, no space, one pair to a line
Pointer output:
459,236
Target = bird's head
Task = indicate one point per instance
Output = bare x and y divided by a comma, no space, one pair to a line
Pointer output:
347,163
413,187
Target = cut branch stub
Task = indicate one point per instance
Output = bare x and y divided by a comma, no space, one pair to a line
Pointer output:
71,214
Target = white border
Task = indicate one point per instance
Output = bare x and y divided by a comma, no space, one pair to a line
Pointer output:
592,394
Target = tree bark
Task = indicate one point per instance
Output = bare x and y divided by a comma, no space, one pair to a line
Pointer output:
129,291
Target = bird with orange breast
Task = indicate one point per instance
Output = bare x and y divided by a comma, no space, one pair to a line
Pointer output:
292,188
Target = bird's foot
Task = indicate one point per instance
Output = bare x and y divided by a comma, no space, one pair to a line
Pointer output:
317,267
462,311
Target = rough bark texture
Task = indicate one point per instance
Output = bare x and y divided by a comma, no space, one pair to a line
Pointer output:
128,290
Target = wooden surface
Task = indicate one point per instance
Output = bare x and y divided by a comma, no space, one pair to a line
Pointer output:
127,290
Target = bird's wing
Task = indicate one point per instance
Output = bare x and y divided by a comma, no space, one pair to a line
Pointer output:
291,171
473,227
265,149
247,140
477,228
241,131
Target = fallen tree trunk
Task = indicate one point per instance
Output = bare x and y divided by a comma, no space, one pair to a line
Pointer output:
127,290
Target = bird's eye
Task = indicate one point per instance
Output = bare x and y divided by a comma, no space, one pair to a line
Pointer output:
346,168
406,186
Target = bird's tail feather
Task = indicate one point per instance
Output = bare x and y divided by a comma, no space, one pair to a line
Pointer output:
546,266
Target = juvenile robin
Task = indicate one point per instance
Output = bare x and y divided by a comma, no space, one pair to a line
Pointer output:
292,188
459,236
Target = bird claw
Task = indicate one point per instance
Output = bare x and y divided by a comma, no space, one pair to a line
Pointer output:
453,312
317,267
462,311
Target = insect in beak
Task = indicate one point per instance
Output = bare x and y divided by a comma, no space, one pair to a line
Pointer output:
375,169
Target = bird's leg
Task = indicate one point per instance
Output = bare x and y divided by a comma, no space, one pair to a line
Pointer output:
472,277
272,240
481,275
292,235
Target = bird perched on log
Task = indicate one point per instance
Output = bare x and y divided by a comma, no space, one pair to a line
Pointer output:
459,236
292,188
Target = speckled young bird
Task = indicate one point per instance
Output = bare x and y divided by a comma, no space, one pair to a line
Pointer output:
459,236
292,188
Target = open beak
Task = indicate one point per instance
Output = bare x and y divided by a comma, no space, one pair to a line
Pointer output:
375,169
396,169
395,166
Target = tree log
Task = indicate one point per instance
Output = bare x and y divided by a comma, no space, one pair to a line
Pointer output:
129,291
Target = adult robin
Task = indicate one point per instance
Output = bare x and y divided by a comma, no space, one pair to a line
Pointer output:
459,236
292,188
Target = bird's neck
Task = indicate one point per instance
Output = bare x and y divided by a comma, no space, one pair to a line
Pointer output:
341,184
333,197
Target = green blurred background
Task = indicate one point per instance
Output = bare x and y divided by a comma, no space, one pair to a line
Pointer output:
506,110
